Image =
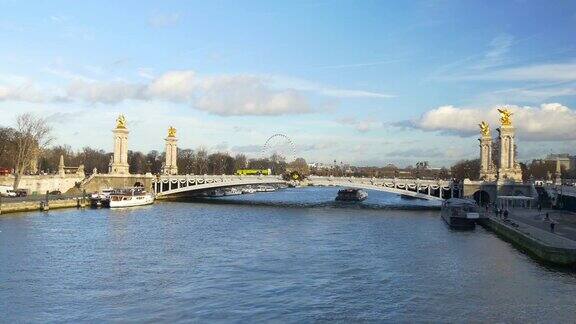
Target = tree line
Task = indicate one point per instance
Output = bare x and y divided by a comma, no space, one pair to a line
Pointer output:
535,170
24,149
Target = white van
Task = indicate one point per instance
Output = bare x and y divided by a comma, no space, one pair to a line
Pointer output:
7,191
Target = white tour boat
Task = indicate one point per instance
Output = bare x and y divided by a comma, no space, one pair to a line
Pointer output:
248,190
130,198
263,188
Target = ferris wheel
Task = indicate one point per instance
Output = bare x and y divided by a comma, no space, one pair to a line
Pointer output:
279,144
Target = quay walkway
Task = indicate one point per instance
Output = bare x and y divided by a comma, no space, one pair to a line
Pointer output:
565,221
528,230
38,203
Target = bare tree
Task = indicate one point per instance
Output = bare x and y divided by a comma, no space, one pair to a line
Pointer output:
32,135
300,166
7,147
240,162
201,165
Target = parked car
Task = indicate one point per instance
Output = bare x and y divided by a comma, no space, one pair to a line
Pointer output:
9,194
56,193
7,191
5,171
21,192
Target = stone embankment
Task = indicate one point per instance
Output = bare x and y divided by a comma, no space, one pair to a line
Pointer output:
541,244
41,205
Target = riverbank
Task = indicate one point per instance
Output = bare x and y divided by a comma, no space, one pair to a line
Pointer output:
29,206
544,246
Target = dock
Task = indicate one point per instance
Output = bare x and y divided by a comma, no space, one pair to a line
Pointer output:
9,207
527,231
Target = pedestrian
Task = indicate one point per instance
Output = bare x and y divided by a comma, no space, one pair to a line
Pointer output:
547,217
552,225
506,214
539,207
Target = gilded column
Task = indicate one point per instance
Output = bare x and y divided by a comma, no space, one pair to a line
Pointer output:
119,163
508,168
171,164
487,169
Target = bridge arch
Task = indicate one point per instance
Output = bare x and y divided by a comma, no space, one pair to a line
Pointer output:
432,190
174,185
425,189
482,197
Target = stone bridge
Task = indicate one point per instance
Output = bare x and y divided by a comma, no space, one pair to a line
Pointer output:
174,185
424,189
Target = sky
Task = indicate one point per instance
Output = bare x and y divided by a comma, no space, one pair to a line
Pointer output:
359,82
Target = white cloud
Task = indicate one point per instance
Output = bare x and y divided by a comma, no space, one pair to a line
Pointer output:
225,95
104,92
159,20
174,86
499,48
248,95
221,95
305,85
26,92
427,153
536,72
532,94
549,122
363,125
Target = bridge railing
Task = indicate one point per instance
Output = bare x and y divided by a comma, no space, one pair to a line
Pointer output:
415,187
168,184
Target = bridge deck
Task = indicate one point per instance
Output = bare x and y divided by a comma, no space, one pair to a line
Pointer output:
425,189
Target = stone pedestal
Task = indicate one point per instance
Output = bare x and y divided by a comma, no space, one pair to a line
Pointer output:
120,159
508,168
487,168
171,164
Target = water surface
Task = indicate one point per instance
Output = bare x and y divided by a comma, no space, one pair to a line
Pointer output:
310,260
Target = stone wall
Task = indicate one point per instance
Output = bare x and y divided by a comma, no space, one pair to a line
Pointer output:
98,182
495,189
39,184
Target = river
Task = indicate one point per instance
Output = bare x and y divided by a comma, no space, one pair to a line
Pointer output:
290,256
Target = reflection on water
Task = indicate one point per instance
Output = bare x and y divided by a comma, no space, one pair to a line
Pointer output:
179,262
322,197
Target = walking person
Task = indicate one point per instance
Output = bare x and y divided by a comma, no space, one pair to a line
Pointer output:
552,226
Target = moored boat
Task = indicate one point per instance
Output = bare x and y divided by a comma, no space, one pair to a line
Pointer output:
130,198
232,192
248,190
102,198
263,188
351,194
460,214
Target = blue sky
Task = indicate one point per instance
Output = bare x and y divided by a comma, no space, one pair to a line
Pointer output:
363,82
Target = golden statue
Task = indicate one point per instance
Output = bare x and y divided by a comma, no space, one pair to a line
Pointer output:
171,132
484,128
121,122
505,117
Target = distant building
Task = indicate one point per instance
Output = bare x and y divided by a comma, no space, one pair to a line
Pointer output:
564,160
320,166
